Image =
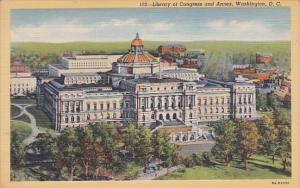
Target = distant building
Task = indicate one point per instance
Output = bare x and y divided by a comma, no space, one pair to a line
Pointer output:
174,49
190,63
80,78
264,58
183,74
22,82
83,63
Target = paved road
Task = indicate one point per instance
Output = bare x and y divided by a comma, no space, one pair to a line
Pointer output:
35,130
156,174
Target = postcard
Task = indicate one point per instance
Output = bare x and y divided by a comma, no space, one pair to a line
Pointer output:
149,93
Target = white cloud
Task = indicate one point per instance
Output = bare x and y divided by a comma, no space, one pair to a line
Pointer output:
235,26
74,30
124,29
161,26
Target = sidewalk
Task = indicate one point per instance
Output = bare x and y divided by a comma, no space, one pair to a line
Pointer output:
156,174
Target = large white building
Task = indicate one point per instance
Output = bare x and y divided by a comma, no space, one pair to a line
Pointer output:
83,63
148,98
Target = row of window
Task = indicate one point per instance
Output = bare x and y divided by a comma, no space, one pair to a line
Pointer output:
221,100
211,110
108,115
243,100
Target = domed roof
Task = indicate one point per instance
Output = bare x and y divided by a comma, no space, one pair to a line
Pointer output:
137,41
138,58
137,54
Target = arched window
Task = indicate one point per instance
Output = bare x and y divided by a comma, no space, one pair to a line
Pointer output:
152,116
168,116
66,119
192,137
245,110
249,109
72,119
108,116
161,117
191,115
241,111
114,115
88,117
78,119
143,118
174,116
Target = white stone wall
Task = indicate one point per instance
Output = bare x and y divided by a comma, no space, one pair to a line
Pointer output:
20,86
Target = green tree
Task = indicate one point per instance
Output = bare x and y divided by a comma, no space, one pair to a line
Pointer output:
17,151
87,146
261,100
110,158
268,136
46,146
131,139
284,140
68,151
158,142
272,101
169,154
98,155
225,132
144,149
248,139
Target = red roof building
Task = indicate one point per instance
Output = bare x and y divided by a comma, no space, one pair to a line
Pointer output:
172,49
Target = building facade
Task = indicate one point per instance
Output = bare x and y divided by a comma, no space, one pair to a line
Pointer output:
174,49
22,82
147,101
83,63
148,98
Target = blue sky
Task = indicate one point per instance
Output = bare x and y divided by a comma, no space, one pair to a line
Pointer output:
190,24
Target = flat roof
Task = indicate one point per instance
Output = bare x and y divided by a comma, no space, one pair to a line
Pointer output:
58,66
81,74
180,71
154,80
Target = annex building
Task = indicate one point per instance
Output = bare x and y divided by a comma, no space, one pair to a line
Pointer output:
135,90
22,82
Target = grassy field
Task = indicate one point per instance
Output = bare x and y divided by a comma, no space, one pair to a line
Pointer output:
260,167
23,118
14,111
21,128
23,100
122,47
42,120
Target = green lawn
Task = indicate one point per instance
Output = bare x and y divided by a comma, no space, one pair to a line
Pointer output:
42,120
24,118
22,129
14,111
260,167
23,100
